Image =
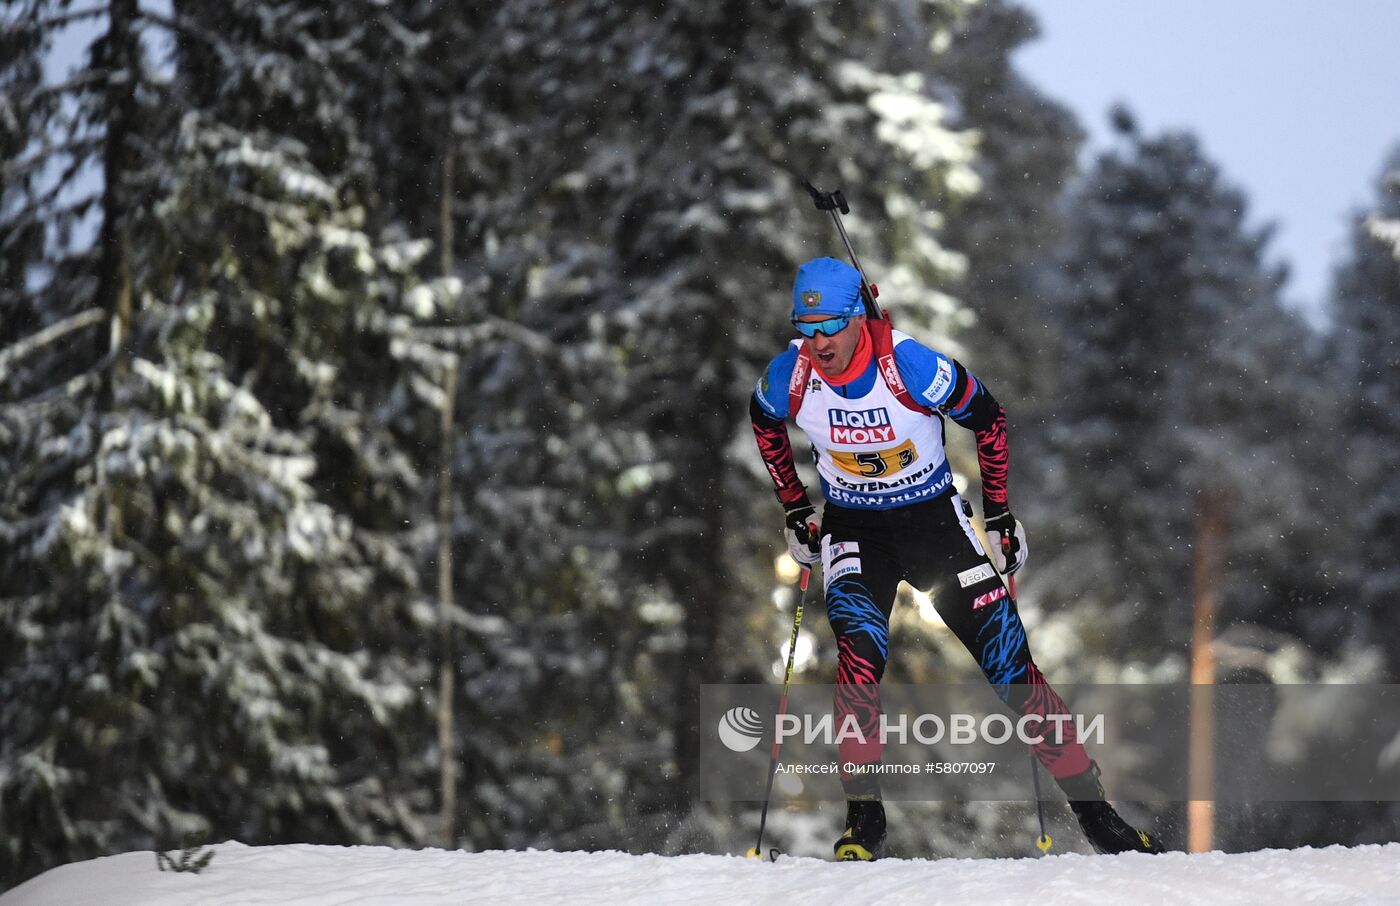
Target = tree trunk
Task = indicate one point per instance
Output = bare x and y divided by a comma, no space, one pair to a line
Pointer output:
447,675
119,57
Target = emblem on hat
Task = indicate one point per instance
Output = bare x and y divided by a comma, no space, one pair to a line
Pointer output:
811,298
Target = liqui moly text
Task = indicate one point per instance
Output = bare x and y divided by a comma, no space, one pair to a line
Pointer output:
867,426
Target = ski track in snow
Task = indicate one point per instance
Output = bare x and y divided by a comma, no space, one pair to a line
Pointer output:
304,875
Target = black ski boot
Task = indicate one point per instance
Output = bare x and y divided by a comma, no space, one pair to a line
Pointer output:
1107,831
863,840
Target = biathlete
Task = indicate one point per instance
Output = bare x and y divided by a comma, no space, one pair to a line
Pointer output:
872,401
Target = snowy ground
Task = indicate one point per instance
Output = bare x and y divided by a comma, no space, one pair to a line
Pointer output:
368,876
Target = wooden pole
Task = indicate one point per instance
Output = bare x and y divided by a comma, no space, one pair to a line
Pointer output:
1211,523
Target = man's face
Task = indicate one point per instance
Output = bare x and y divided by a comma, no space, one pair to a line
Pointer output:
833,354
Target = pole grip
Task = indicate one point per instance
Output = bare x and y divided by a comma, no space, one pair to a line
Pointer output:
1006,558
835,202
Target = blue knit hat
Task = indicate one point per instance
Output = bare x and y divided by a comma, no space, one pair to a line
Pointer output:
826,286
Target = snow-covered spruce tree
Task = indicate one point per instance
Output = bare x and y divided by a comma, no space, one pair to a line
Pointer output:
53,372
1343,624
1181,375
544,616
1366,314
210,585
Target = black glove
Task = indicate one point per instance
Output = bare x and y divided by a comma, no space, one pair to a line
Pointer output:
804,530
1007,536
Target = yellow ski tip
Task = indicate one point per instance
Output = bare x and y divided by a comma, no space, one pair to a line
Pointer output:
1043,843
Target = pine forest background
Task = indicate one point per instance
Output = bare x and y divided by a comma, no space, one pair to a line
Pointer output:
373,399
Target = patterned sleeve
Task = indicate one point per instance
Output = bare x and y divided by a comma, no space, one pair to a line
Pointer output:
993,460
767,409
776,449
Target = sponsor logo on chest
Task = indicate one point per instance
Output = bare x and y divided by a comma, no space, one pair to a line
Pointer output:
891,372
864,426
800,370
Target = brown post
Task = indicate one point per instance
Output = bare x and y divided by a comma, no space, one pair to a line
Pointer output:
1211,525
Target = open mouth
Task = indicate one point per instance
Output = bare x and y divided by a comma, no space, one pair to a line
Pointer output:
826,357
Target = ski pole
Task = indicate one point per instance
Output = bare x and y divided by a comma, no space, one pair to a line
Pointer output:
757,851
1043,842
835,203
1006,558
